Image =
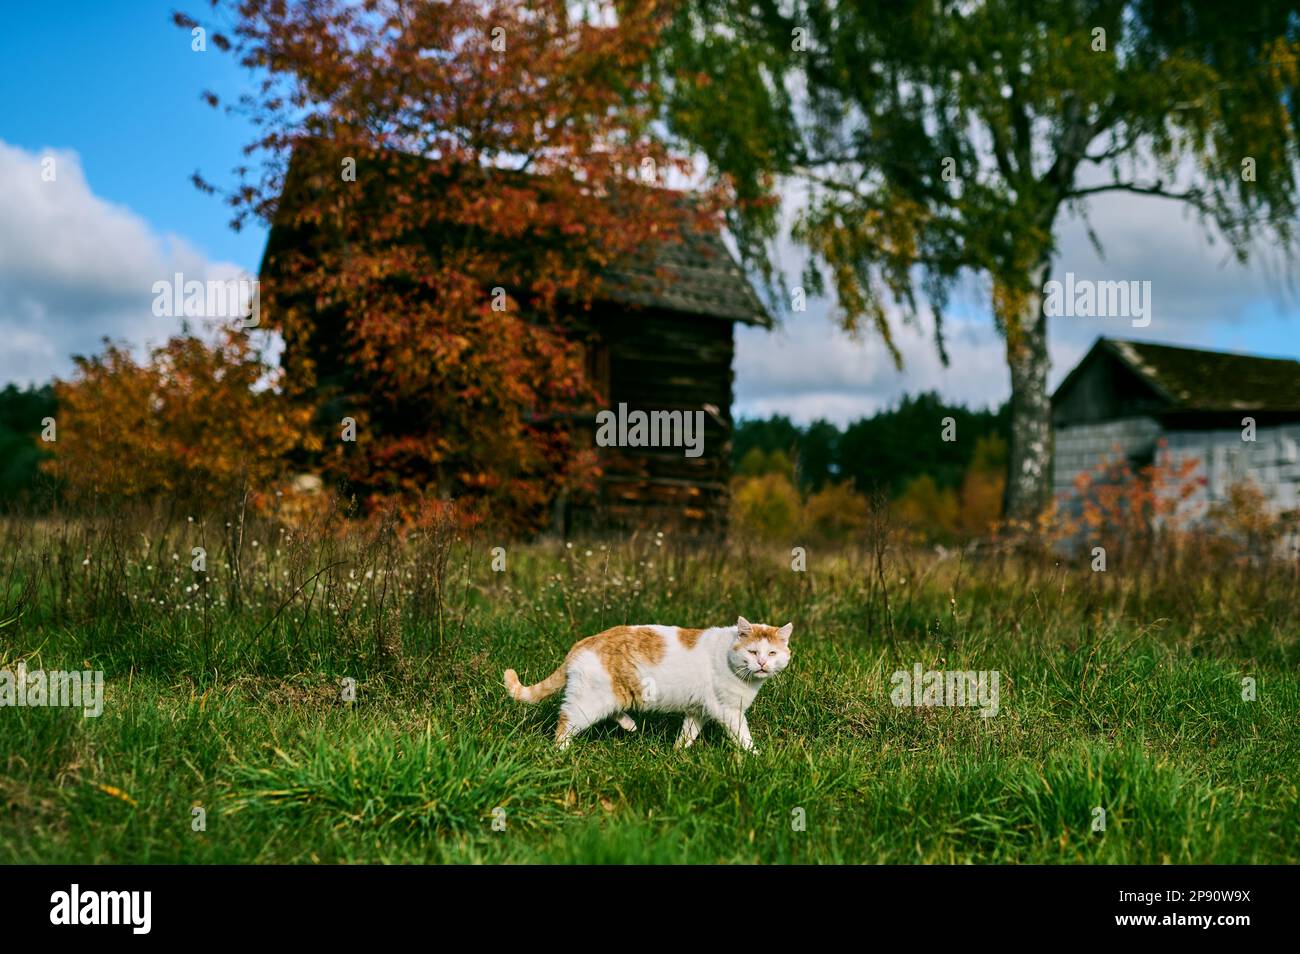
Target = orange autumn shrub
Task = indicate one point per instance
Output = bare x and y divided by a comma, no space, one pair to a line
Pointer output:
1245,523
189,424
1121,507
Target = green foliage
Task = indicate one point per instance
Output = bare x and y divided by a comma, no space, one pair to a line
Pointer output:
990,453
776,433
888,450
21,413
942,137
818,450
757,463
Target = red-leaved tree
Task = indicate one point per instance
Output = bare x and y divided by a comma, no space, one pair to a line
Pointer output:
462,174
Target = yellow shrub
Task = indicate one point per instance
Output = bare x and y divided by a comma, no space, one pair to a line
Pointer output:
982,487
836,512
766,506
926,508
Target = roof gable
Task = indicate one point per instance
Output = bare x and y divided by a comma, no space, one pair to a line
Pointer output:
1193,380
1102,387
1197,380
696,276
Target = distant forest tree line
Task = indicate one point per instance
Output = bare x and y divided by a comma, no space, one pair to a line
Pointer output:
884,452
21,412
941,468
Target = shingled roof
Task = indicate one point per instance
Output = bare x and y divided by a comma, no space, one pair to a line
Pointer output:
695,276
1192,379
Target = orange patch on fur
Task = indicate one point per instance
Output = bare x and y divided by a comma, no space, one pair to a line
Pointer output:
620,650
759,632
689,637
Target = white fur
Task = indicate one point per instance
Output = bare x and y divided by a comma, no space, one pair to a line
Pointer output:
711,680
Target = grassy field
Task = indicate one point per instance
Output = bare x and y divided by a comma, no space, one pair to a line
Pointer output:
1119,690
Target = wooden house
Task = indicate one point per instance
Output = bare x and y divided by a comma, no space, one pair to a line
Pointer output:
661,340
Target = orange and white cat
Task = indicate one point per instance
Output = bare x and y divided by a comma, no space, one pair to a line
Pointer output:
702,673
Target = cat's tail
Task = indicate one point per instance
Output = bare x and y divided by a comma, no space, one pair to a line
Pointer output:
536,693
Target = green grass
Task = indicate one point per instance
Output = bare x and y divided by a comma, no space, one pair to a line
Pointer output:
1122,698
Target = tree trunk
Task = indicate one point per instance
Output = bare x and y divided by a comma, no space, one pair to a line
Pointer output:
1029,458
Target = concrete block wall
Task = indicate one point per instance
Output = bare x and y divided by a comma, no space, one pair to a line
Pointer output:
1082,447
1271,461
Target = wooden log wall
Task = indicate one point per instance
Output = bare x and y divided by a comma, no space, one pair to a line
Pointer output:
665,361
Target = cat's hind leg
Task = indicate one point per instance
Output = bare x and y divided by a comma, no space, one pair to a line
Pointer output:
574,719
626,721
589,696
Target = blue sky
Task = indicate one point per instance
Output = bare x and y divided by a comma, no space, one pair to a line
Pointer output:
117,82
112,91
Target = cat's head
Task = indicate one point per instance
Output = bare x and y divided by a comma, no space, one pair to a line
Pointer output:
759,652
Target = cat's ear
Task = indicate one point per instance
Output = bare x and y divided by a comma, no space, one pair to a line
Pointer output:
784,632
743,626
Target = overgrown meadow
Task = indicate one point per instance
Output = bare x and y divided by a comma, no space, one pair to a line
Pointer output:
227,690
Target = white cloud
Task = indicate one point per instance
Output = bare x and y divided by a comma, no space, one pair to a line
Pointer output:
1200,293
809,368
75,268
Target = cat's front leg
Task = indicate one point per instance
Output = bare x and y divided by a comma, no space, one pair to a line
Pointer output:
746,741
737,726
690,731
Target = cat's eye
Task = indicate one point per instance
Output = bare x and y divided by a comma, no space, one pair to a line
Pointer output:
772,653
